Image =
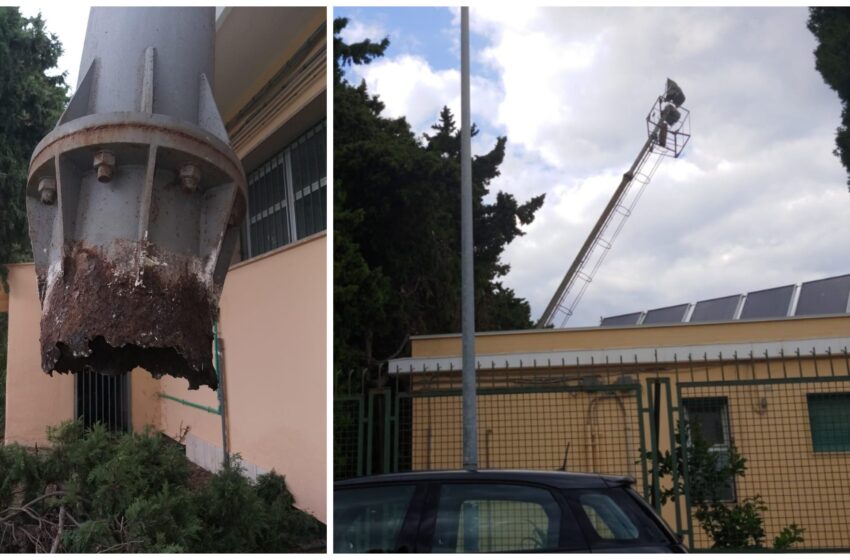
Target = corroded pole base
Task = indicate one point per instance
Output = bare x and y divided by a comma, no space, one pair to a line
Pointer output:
134,202
99,318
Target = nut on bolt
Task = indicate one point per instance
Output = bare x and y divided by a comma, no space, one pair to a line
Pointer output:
47,190
190,176
104,162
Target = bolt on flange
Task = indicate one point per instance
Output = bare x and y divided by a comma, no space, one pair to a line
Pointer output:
190,176
47,190
104,162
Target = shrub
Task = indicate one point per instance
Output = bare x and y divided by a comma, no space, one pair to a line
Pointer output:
730,526
96,491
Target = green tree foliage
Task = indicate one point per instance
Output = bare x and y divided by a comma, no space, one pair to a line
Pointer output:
31,104
735,525
397,225
136,493
831,27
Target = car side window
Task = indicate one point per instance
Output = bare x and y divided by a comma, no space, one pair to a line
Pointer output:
495,518
614,519
370,519
606,518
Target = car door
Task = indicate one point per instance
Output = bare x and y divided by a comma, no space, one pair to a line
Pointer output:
493,517
377,518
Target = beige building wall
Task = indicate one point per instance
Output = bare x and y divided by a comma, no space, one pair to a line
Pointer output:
34,400
4,301
274,329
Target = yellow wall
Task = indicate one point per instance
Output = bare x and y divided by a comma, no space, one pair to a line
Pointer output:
145,404
4,301
769,423
637,336
275,341
34,400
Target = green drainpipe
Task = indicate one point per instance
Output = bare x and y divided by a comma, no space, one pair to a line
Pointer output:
217,350
219,372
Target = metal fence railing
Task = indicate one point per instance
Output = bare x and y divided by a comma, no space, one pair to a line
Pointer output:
786,414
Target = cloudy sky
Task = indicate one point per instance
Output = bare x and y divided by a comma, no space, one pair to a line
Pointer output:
757,200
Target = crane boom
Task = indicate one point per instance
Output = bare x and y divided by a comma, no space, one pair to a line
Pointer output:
667,124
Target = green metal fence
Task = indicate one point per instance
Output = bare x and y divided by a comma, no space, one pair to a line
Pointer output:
787,415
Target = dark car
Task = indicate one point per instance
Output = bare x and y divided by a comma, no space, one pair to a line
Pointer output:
496,511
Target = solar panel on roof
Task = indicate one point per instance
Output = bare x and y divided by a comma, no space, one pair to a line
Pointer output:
767,304
717,309
672,314
621,320
824,297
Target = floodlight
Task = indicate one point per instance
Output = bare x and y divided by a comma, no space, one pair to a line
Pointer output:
674,94
670,114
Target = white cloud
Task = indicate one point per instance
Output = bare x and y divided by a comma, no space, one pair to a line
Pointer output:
358,30
757,200
410,87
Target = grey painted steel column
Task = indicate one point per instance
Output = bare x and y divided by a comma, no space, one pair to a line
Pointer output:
470,412
134,201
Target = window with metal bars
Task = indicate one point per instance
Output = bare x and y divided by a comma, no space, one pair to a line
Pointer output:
103,399
287,195
829,419
710,417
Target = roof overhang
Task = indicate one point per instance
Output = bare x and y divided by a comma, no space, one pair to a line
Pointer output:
616,356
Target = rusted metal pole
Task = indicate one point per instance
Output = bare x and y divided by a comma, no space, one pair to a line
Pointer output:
134,201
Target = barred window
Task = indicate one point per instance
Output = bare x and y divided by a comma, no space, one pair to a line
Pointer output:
287,195
829,418
709,416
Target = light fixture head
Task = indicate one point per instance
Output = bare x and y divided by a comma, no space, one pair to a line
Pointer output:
673,93
670,115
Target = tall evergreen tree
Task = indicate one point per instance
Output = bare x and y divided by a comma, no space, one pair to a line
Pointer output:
397,225
30,103
831,27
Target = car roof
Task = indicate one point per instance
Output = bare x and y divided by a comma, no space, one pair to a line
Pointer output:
557,479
